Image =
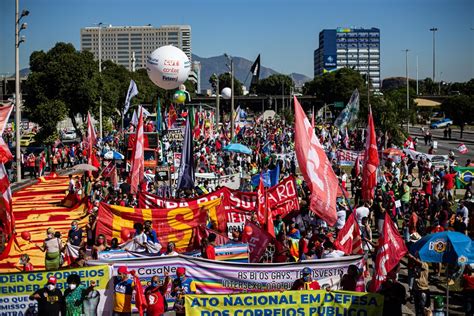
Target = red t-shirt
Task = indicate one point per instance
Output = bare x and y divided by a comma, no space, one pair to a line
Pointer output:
468,282
28,267
449,180
155,302
210,252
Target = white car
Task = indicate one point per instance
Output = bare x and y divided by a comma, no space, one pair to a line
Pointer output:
69,135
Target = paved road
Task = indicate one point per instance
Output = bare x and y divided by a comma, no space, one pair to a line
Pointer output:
446,145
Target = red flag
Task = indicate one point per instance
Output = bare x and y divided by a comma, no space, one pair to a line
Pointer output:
257,239
348,238
261,202
138,161
91,139
140,300
6,210
357,166
269,216
172,116
108,170
202,231
390,251
369,176
462,149
315,167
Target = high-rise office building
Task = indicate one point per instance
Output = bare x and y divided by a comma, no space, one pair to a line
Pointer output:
127,44
355,48
195,75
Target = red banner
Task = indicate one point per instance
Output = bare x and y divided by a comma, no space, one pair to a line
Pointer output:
257,239
174,225
236,205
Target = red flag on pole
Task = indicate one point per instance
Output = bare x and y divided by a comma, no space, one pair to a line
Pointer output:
138,159
140,300
172,116
357,166
390,251
91,138
258,240
348,238
315,167
261,202
268,215
369,176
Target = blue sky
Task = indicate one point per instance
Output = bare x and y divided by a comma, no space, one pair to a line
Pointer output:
285,32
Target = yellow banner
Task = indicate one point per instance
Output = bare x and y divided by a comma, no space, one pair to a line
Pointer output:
18,284
294,303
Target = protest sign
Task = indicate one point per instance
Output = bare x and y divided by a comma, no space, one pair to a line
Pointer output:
436,160
214,277
15,288
307,303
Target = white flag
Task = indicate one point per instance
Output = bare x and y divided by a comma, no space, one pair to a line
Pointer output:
132,91
134,120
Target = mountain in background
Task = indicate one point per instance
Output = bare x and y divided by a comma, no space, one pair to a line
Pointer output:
217,65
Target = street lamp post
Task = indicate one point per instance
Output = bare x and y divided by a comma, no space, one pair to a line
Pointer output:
18,41
408,91
217,101
434,29
231,61
100,75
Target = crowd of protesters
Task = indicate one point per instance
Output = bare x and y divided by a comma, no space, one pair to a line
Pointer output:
418,196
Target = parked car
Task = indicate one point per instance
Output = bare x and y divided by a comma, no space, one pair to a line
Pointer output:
442,123
68,135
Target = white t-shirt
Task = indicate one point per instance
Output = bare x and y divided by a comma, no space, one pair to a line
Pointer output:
360,213
332,254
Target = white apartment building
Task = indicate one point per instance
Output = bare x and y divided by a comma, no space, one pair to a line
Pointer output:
127,44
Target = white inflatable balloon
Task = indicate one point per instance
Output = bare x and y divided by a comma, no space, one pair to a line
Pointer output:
168,67
226,93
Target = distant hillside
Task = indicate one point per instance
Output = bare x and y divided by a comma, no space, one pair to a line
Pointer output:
217,64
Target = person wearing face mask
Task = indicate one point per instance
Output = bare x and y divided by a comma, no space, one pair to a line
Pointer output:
171,249
53,247
25,263
49,298
123,289
305,282
75,234
75,295
155,296
181,286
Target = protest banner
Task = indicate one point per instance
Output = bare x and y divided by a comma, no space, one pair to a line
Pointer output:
348,157
221,277
175,135
237,205
229,252
15,288
174,225
436,160
306,303
231,181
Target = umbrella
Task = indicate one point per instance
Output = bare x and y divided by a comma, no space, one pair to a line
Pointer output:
238,148
445,247
112,154
84,167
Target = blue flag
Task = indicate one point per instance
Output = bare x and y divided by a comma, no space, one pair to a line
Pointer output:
186,176
270,177
158,116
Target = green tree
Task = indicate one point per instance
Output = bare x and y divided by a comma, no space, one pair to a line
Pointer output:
459,108
66,75
225,80
336,86
47,114
276,84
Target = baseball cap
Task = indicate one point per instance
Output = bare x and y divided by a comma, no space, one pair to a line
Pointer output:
123,270
52,280
180,271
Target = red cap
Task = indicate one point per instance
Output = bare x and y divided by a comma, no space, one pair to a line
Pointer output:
180,271
123,270
52,280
